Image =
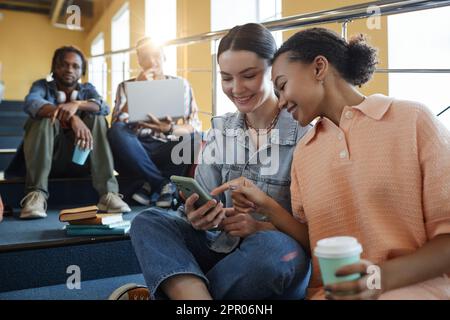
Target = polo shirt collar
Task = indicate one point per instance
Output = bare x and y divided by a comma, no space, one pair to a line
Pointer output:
374,106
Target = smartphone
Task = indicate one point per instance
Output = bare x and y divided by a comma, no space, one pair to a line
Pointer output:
189,186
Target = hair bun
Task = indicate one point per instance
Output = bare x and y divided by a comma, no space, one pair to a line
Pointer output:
362,60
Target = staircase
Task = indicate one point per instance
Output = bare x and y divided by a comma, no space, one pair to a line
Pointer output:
35,255
12,119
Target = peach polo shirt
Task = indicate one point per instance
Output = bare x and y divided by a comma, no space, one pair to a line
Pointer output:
382,176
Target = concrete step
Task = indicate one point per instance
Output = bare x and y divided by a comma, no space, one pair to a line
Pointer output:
65,192
10,142
5,160
9,105
12,121
11,131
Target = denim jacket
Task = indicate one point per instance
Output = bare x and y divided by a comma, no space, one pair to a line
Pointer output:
44,92
228,154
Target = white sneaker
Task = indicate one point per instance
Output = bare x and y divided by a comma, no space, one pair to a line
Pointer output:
130,291
113,203
34,206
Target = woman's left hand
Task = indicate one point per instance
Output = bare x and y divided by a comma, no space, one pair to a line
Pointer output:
239,224
368,287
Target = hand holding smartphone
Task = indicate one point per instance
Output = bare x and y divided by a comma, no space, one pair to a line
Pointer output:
188,187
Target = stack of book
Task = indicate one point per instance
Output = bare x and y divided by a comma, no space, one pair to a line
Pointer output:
88,221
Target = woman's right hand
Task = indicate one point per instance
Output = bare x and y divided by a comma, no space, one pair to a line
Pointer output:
206,217
247,197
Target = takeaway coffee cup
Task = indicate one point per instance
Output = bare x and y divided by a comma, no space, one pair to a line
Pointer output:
334,253
80,155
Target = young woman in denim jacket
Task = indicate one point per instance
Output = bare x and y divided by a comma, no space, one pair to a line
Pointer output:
249,259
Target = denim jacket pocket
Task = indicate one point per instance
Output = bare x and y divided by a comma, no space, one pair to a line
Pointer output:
279,190
232,171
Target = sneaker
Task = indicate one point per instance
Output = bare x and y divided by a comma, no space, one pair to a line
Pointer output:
167,195
34,206
143,196
113,203
130,291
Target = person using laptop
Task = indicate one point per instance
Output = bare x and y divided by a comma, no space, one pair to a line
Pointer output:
64,113
143,149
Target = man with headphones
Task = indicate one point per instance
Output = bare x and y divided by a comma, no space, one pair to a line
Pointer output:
64,113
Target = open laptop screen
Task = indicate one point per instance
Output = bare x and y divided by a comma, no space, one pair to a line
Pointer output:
159,97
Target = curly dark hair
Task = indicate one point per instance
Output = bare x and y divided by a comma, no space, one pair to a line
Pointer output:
252,37
60,53
355,60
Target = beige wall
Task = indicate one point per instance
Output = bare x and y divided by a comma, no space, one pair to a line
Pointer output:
194,61
103,25
27,44
378,38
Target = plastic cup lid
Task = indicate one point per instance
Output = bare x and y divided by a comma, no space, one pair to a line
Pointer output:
337,247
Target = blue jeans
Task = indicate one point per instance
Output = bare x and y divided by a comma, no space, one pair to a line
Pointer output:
144,157
266,265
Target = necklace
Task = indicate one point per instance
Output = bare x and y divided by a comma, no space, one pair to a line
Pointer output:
266,130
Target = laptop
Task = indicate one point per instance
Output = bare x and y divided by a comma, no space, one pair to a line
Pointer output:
159,97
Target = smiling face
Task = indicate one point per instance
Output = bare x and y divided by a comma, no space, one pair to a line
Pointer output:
68,70
298,88
245,79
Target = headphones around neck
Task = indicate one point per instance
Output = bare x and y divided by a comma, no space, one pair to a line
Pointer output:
61,96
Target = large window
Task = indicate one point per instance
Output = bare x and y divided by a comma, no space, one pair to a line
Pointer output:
224,15
161,25
120,39
421,40
97,67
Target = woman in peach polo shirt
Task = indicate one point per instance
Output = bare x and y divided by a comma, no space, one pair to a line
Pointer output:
375,168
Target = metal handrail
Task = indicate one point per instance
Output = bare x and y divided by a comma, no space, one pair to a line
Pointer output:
343,14
412,70
443,111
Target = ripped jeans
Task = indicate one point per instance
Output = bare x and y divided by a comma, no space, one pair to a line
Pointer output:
266,265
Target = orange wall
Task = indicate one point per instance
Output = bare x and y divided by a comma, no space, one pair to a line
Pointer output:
378,38
27,43
103,25
194,61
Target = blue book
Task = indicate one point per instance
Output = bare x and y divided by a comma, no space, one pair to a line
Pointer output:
98,231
